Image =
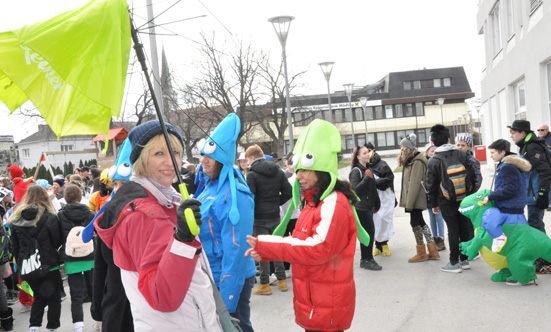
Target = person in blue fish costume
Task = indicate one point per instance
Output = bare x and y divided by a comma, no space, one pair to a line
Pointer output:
227,209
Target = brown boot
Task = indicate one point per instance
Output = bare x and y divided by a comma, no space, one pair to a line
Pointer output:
282,285
440,244
421,255
433,251
263,289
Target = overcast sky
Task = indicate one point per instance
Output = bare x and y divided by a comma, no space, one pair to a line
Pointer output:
366,39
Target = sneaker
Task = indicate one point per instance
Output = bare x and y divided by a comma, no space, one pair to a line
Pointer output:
542,267
12,297
370,264
273,279
511,282
455,268
464,265
476,257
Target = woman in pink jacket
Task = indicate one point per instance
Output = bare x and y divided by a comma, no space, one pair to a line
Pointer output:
321,249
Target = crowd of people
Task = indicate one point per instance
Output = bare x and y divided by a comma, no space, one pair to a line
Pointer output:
149,258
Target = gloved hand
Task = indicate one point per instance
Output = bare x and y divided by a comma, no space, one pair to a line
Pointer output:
543,200
369,173
183,231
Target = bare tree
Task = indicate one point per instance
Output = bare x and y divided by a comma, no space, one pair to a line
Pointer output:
228,81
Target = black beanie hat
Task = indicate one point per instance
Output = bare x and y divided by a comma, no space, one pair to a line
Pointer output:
142,134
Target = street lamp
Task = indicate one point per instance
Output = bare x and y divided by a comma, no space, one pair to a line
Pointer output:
454,127
469,113
348,89
281,26
459,119
441,102
363,102
466,128
477,108
326,68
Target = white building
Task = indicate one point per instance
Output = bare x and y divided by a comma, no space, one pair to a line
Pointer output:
516,80
59,152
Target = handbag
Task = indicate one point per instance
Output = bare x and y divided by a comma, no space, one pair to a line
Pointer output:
228,323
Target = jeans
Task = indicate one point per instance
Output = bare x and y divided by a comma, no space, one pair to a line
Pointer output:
267,227
76,288
436,224
243,310
366,219
535,217
46,293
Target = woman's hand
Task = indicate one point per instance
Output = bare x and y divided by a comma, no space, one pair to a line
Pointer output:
251,240
486,201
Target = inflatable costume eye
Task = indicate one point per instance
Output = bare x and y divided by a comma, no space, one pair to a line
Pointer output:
209,148
294,161
307,160
124,170
478,196
112,171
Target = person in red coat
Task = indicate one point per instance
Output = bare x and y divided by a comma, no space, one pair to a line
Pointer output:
20,184
322,247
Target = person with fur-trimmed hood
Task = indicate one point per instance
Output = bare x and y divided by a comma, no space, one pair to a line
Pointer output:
413,198
508,194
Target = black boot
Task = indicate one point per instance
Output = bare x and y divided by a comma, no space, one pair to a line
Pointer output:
370,264
6,320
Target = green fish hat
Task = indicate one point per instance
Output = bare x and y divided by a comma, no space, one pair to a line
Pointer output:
316,150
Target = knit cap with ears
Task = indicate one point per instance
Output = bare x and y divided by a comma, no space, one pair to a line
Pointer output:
316,150
221,146
409,141
15,171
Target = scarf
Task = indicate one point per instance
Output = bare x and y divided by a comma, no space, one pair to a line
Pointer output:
166,196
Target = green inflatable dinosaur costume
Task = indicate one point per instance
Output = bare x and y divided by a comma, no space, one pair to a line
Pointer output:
316,149
524,243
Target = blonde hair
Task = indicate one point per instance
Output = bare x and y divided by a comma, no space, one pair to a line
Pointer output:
405,154
36,196
139,168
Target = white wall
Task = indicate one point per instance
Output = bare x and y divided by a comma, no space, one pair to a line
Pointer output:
36,149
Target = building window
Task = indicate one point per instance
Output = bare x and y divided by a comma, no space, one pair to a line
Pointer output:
534,4
349,142
358,114
416,85
407,85
496,28
437,82
381,140
371,138
409,109
401,134
390,138
510,17
26,153
360,138
338,117
419,110
369,111
427,84
519,95
447,81
66,147
388,111
347,114
379,112
398,109
423,135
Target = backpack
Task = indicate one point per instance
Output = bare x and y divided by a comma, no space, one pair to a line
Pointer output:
31,262
75,247
5,246
455,177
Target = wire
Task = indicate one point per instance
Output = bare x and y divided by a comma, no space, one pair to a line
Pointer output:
182,20
161,13
222,24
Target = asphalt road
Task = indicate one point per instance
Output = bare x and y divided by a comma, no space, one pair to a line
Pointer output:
404,296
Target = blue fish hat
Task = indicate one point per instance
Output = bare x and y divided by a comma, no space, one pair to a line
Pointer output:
122,170
221,146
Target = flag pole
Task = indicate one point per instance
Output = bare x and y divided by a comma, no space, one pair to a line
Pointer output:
138,47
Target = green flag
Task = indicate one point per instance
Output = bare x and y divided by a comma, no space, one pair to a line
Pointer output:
72,67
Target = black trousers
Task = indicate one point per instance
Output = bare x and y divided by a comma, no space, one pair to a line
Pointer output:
46,293
366,219
77,286
458,229
416,218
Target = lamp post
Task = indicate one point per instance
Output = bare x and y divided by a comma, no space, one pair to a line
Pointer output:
281,26
477,108
466,128
326,68
459,119
469,113
363,102
453,126
348,89
441,103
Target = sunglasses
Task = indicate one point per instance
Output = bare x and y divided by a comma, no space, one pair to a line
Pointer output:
542,129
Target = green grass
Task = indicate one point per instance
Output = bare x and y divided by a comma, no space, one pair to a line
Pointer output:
398,169
344,163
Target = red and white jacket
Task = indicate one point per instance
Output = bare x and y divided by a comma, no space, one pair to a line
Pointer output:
164,279
321,251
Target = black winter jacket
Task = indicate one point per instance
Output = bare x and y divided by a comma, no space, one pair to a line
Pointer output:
47,232
365,188
270,188
109,303
380,168
72,215
533,149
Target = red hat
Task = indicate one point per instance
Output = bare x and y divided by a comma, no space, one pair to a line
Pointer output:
15,171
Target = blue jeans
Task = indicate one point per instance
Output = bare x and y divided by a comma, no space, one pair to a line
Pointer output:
535,217
243,310
436,224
